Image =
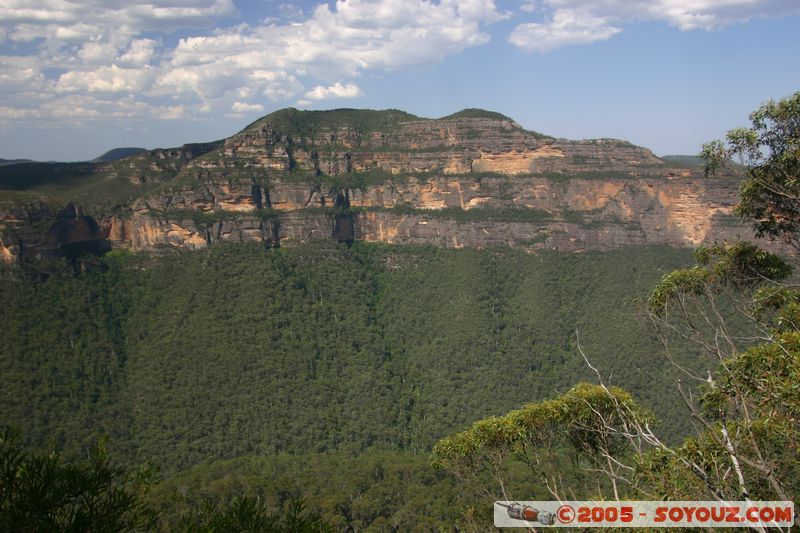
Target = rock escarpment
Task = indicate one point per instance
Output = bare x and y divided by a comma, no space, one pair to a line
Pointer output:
474,179
472,144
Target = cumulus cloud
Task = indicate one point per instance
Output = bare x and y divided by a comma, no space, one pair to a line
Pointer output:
565,28
111,79
76,19
337,90
20,74
81,58
173,112
93,53
568,22
356,36
139,53
109,49
102,49
243,107
291,12
78,108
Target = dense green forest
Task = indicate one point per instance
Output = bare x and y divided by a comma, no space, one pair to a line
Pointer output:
739,305
333,387
315,360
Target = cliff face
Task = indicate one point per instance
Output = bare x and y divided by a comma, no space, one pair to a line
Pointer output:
532,212
450,146
478,180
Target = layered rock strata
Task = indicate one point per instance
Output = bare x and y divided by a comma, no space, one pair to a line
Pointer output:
468,181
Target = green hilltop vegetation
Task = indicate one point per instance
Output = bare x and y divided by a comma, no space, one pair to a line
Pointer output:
56,184
474,112
96,186
296,122
117,153
34,175
324,353
104,183
306,122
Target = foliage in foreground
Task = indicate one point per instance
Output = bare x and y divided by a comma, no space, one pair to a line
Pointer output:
42,492
746,445
770,148
45,493
248,514
748,410
537,436
371,491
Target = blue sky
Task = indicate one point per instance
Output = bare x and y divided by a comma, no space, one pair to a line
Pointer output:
80,77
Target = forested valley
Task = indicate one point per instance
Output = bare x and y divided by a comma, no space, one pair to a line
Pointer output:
325,372
354,386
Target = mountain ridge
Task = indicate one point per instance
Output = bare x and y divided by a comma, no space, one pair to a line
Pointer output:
471,179
117,153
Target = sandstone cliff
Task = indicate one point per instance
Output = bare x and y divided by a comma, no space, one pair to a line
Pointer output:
473,179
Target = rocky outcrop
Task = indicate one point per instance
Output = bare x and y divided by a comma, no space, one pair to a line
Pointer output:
35,231
474,180
451,146
154,232
531,213
8,253
683,211
157,165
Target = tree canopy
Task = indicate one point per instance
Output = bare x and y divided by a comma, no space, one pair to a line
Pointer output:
770,150
740,308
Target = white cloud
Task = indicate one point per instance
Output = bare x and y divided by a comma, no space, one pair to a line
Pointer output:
78,108
74,17
92,50
276,85
337,90
567,22
291,12
243,107
139,53
20,74
174,112
85,55
566,28
11,113
111,79
92,53
356,36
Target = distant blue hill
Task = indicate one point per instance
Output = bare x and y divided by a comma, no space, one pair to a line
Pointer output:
117,153
4,162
